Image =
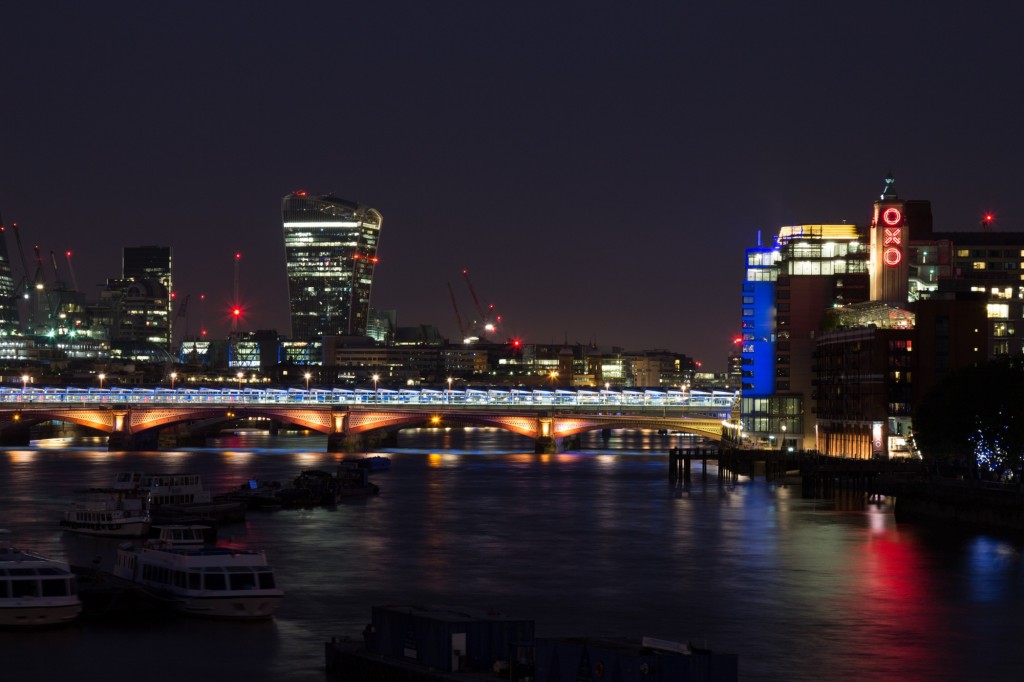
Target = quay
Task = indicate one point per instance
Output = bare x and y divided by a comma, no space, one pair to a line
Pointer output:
921,492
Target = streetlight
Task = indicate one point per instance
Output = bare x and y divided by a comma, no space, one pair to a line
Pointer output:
448,396
101,376
782,445
376,378
607,386
174,375
307,375
24,382
553,375
239,376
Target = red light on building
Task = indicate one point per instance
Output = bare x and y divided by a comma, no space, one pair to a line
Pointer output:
892,216
236,311
989,217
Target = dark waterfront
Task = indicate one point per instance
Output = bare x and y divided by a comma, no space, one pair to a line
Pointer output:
588,543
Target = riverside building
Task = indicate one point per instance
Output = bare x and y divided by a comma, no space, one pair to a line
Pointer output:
845,328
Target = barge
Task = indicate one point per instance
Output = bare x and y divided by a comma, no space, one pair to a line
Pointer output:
443,644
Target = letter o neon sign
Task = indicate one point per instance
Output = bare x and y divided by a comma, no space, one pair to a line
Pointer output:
891,216
892,256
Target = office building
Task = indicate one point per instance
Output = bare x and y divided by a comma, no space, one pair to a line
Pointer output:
146,285
330,253
10,321
789,286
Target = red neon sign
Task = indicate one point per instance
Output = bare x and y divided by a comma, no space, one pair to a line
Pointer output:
891,216
892,256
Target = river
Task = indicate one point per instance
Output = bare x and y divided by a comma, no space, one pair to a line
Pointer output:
594,542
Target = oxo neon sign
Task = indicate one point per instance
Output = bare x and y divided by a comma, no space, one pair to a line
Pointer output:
892,236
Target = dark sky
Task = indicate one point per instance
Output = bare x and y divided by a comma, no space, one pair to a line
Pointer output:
599,167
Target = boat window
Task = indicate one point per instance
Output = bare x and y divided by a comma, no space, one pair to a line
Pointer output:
55,587
214,581
24,588
243,581
3,589
195,581
266,580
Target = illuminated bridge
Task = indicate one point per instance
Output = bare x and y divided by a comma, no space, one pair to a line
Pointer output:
354,419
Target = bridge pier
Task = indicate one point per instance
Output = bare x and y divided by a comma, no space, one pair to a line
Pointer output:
545,445
122,441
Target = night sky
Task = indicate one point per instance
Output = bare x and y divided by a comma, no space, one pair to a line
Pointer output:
599,167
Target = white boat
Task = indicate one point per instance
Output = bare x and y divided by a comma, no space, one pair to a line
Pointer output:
165,488
214,582
179,535
35,591
108,512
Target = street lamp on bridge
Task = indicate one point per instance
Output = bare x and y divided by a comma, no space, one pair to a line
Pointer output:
308,376
24,382
376,378
240,376
173,375
448,396
101,376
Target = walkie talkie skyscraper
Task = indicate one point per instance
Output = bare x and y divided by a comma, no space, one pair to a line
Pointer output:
330,251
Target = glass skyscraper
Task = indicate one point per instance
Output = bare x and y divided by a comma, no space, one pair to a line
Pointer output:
330,249
10,322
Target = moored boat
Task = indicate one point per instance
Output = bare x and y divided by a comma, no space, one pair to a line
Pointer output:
181,535
213,582
35,591
180,498
372,463
108,512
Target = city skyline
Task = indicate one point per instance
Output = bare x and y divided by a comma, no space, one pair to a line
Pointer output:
599,170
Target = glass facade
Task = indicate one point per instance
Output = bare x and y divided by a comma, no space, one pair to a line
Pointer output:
146,307
9,318
330,252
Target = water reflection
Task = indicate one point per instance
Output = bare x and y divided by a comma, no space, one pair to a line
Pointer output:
591,542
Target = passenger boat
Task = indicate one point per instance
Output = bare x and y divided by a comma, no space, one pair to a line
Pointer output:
165,488
108,512
179,498
181,535
214,582
34,591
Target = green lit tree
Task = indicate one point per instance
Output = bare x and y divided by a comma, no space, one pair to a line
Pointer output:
975,418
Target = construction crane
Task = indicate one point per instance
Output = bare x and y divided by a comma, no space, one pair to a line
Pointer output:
485,323
71,271
458,317
183,313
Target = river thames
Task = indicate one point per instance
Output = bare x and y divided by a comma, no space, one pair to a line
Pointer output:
594,542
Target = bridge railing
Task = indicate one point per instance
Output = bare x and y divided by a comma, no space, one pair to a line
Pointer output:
716,402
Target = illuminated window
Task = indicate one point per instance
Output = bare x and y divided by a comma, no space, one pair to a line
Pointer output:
966,253
998,310
978,265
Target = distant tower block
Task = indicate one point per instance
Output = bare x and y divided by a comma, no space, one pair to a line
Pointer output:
330,252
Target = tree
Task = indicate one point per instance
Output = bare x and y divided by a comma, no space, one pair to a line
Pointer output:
975,417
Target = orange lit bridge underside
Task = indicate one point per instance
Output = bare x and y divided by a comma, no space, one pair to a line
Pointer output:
136,426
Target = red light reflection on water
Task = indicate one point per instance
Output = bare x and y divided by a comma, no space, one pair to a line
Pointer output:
898,617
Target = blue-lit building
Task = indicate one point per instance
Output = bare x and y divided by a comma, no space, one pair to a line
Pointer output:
787,290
